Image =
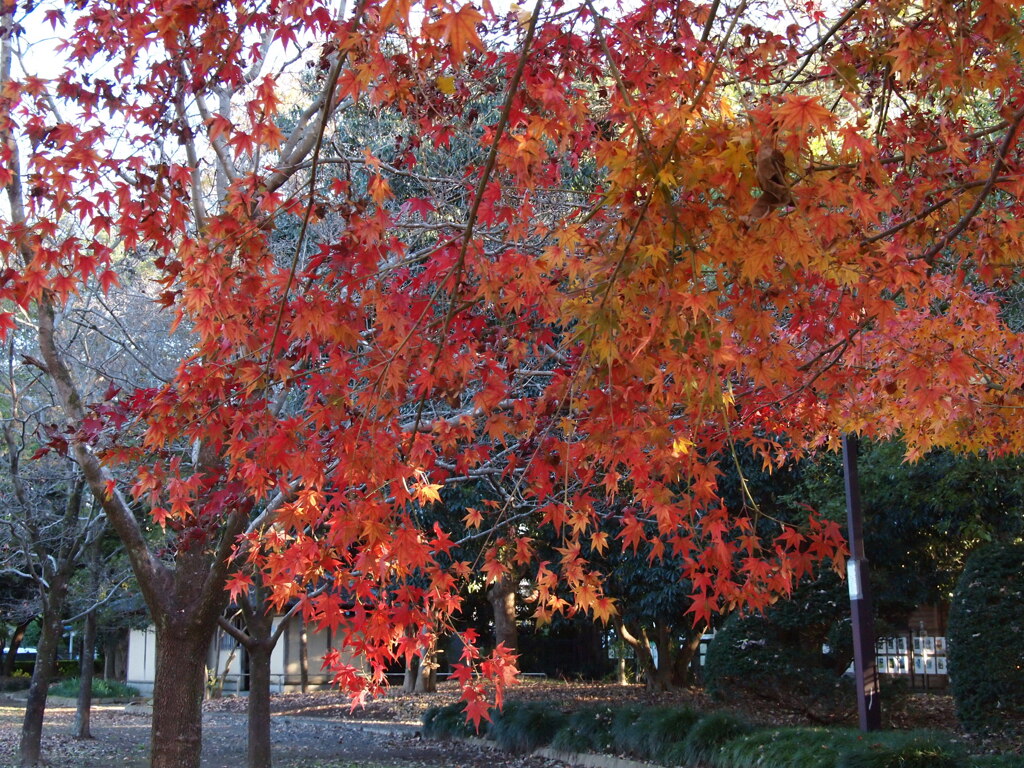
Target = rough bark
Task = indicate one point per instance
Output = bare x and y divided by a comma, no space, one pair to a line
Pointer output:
684,658
42,673
259,704
12,653
86,665
259,639
426,677
411,673
178,696
502,597
85,675
115,655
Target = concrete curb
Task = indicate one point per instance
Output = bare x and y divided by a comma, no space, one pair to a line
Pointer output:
583,759
64,702
589,760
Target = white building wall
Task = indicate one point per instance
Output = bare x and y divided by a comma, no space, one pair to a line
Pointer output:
284,661
142,659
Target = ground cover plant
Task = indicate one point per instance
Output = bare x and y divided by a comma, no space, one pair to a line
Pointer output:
683,737
101,688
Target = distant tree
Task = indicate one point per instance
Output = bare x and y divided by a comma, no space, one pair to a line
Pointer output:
52,521
921,519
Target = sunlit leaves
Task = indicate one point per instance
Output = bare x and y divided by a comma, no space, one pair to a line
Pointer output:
666,249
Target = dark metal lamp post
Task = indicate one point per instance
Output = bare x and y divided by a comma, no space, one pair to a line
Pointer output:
869,705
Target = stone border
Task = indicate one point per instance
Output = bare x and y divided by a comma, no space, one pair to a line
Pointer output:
590,760
583,759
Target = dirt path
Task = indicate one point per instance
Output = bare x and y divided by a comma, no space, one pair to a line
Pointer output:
122,740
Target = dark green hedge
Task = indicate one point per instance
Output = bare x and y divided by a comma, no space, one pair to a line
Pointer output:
673,736
986,640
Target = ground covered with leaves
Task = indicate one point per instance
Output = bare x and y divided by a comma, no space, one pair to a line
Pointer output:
909,711
122,740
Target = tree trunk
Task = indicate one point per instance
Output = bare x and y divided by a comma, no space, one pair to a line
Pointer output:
637,640
683,661
502,597
661,677
12,653
259,704
411,673
303,658
85,673
86,660
115,655
622,671
42,674
426,679
178,696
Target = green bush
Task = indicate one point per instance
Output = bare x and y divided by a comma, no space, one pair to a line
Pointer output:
586,730
707,736
986,640
16,683
784,748
624,732
660,729
903,750
101,689
523,728
449,722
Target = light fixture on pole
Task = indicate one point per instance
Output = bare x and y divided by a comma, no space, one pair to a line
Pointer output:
869,705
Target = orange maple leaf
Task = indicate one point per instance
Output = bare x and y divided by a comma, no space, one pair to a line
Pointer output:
802,114
458,29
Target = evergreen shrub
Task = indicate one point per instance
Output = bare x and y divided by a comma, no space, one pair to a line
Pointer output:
708,735
101,689
522,728
449,722
986,640
586,730
895,749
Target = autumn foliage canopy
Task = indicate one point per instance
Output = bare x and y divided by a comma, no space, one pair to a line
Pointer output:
584,251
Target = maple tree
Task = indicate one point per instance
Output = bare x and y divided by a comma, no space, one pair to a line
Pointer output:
686,228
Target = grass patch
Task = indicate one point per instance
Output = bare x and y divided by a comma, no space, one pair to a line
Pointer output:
101,689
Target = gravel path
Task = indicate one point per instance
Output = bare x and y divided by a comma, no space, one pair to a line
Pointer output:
298,742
